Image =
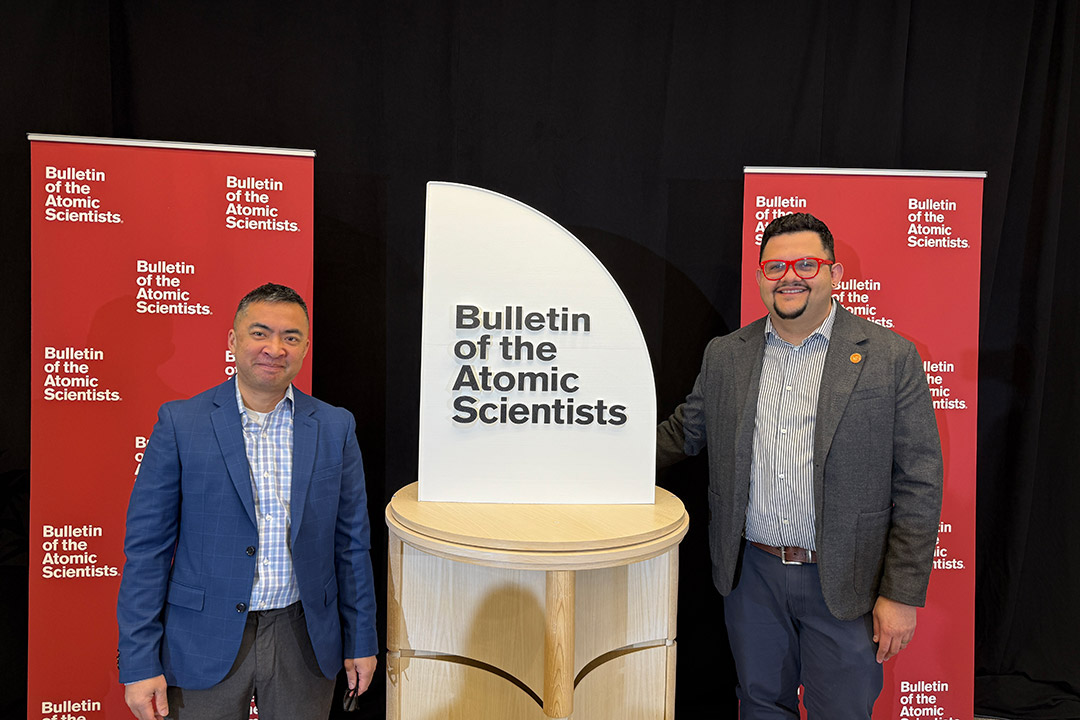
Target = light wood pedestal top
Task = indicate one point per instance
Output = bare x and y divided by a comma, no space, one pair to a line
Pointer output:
536,537
506,611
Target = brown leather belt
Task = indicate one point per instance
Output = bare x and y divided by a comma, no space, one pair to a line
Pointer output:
789,555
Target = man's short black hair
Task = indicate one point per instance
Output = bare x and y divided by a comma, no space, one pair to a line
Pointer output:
272,293
797,222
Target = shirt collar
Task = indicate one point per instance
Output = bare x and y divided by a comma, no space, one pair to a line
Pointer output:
824,329
243,408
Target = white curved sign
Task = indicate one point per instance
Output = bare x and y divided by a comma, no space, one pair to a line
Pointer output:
536,385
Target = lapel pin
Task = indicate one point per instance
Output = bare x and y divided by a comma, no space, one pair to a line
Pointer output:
856,358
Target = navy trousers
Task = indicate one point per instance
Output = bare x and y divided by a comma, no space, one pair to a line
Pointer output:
782,635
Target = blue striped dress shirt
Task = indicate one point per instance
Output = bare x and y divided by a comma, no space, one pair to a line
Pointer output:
268,438
781,508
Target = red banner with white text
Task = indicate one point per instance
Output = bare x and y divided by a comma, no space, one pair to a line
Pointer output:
140,254
910,245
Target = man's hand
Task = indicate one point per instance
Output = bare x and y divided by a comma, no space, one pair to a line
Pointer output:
359,672
146,698
894,626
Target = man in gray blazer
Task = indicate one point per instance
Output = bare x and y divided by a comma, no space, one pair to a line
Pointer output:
825,479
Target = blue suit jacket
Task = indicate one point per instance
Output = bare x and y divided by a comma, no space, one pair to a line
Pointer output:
191,539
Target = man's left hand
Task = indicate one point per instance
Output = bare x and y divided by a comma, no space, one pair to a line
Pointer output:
894,626
359,672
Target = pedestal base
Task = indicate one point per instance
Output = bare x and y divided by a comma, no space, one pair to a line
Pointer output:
581,626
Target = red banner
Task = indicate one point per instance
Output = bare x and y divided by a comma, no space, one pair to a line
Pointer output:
140,254
910,245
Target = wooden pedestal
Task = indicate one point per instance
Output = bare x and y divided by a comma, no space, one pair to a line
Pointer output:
500,612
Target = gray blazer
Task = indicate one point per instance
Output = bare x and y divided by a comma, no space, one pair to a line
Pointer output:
877,460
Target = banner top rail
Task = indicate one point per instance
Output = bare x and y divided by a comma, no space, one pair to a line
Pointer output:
169,144
748,169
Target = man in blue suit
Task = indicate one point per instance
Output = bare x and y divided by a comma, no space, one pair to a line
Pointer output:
247,568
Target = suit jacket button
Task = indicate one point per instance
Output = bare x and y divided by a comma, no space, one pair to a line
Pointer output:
250,550
241,607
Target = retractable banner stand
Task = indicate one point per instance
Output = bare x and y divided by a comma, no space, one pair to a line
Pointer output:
140,254
910,245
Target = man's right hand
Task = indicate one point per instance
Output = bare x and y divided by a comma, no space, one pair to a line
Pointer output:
146,698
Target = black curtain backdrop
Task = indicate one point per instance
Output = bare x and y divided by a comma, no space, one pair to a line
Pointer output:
629,122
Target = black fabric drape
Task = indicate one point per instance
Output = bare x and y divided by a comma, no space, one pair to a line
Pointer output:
629,122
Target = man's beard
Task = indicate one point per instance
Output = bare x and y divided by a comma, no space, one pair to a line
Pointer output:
794,313
791,315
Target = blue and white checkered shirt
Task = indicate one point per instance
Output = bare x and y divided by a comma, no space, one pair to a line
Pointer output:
781,509
268,438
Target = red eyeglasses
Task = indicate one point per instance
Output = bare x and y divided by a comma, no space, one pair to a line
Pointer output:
806,268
